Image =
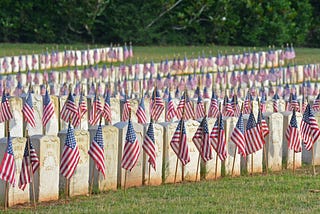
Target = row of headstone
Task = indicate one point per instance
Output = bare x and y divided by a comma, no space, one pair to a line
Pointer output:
17,125
49,183
55,59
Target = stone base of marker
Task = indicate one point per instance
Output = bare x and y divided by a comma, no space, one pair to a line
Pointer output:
16,195
307,155
257,162
287,154
230,123
155,174
274,141
190,169
169,157
46,178
134,177
111,139
208,169
79,182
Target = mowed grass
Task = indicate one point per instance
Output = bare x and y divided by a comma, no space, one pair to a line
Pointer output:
274,193
158,53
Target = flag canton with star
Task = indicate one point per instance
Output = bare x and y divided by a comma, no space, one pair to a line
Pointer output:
28,111
5,112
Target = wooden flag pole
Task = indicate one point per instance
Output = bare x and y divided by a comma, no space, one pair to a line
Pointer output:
313,166
31,169
219,121
126,173
181,129
6,192
294,160
235,151
264,145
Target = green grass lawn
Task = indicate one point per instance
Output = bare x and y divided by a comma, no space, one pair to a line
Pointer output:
157,53
274,193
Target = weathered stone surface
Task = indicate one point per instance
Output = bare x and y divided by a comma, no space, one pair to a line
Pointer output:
79,182
46,178
110,138
134,177
274,143
287,154
155,175
16,195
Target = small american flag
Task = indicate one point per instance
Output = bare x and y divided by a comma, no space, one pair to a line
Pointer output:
82,106
141,113
235,106
126,110
96,111
201,139
254,139
186,105
200,113
218,140
25,177
171,112
157,105
96,151
227,110
237,136
70,111
316,104
310,131
70,156
107,109
247,105
149,146
262,124
275,102
293,134
5,110
131,150
263,106
28,112
179,143
214,107
7,167
48,109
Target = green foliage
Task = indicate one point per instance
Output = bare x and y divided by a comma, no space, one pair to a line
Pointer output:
162,22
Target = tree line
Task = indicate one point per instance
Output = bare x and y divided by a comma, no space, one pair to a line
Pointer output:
162,22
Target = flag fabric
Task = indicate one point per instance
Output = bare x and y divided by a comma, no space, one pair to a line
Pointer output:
235,106
293,134
247,105
171,111
70,156
28,112
253,138
5,110
96,151
149,146
218,140
25,176
69,111
310,131
275,103
316,104
262,124
107,109
48,109
214,107
141,113
96,111
179,144
227,110
157,105
7,167
200,112
126,110
82,109
201,139
237,136
131,150
185,105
